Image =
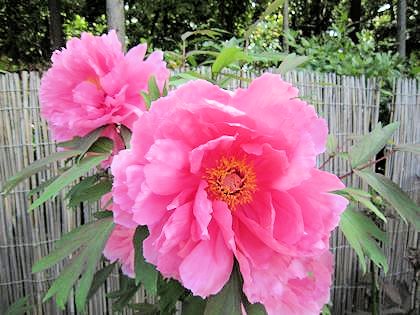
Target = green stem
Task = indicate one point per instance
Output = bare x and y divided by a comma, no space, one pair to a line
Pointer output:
375,292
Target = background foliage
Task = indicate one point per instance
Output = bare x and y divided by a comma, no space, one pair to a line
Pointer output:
323,30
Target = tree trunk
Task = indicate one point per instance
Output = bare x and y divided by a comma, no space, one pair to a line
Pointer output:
55,26
285,24
355,15
401,26
116,18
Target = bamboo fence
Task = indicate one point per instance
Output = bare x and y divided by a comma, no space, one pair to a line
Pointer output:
351,108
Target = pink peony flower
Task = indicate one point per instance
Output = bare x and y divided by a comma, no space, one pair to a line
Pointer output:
218,176
119,247
92,83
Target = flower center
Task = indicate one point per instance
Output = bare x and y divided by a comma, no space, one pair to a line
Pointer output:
232,181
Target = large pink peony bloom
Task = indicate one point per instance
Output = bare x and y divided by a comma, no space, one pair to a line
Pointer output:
92,83
119,247
218,176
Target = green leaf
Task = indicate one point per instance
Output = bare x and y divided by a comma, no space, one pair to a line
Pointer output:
212,33
84,143
103,214
193,305
146,99
394,195
126,136
145,273
144,309
127,290
271,8
253,309
36,167
100,278
81,186
413,148
361,233
41,186
291,62
226,57
92,193
331,144
20,307
153,88
67,178
267,56
89,241
102,145
169,291
165,89
228,300
183,77
369,145
357,195
326,310
93,253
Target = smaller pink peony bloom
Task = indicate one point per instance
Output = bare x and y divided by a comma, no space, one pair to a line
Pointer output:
119,247
219,176
92,83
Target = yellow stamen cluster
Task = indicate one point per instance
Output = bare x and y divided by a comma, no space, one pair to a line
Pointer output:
233,181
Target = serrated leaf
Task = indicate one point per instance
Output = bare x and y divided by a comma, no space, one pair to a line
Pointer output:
66,245
127,290
20,307
89,240
62,286
91,193
228,300
67,178
100,278
93,253
394,195
169,292
291,62
413,148
369,145
36,167
357,195
145,273
361,233
226,57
